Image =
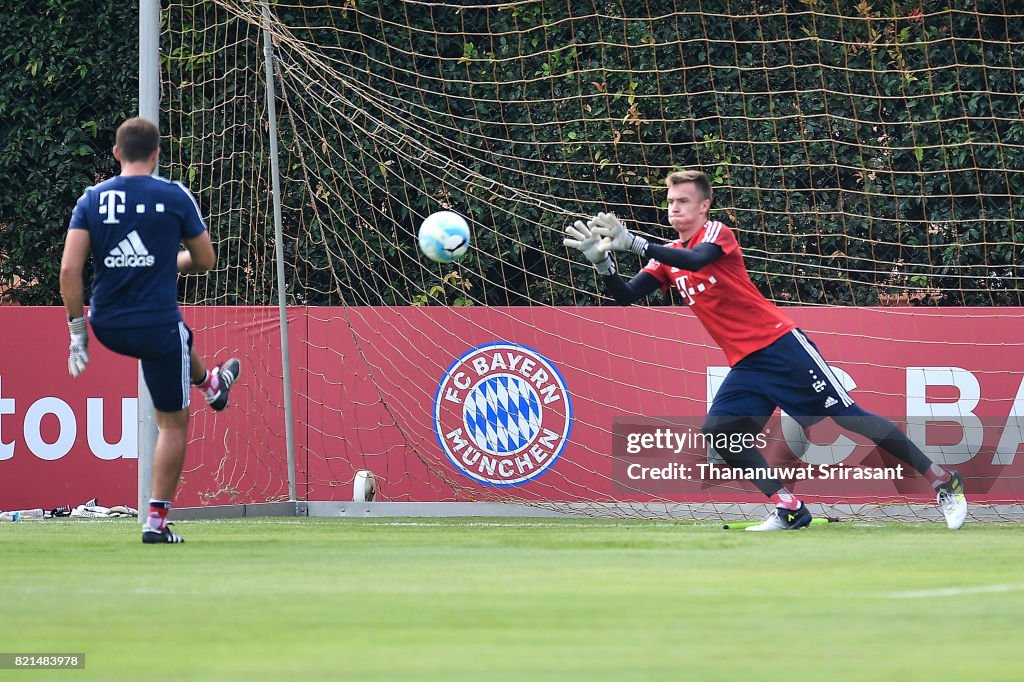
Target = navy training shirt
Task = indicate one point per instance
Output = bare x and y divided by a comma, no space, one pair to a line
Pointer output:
136,224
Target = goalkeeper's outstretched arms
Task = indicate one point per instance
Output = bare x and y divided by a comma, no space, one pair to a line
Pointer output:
604,233
615,237
581,237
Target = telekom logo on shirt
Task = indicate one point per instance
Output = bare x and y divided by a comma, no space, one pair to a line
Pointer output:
111,203
685,285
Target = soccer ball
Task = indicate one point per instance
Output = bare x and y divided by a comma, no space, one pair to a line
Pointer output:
444,236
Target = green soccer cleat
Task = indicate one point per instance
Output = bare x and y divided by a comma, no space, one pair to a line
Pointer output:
785,519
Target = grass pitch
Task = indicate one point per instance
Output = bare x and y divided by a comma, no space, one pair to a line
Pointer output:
481,600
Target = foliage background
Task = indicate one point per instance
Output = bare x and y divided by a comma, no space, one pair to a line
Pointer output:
864,151
68,76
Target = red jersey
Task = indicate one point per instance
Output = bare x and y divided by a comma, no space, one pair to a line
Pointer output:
722,296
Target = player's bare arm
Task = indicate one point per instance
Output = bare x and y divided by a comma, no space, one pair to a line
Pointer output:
72,290
198,255
72,267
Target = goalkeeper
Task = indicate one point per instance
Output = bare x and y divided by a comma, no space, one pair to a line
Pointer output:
132,225
773,364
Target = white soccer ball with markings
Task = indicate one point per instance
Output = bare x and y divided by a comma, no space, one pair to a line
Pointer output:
444,236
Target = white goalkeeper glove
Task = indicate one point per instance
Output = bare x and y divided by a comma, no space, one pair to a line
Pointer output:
579,236
616,236
78,354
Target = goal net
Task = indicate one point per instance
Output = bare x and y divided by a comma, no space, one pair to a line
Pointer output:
868,155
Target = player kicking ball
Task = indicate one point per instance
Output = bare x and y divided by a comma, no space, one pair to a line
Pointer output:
132,225
773,364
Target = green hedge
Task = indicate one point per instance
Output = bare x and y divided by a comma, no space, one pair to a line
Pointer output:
861,152
69,77
860,149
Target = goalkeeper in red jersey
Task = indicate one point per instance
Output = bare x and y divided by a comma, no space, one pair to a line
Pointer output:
773,364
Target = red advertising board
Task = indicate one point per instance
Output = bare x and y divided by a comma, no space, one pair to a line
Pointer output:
501,404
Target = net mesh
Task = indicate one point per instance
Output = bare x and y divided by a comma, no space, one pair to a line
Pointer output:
867,156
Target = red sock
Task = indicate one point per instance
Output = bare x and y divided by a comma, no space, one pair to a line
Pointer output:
786,500
936,475
158,510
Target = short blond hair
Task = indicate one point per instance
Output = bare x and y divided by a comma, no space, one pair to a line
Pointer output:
696,177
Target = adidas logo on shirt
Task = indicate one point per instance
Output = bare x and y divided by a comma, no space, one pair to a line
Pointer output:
129,253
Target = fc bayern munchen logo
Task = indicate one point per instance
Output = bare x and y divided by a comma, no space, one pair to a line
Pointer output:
502,414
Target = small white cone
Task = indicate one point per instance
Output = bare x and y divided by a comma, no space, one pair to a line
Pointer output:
364,487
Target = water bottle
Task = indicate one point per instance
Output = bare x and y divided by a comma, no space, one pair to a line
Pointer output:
23,515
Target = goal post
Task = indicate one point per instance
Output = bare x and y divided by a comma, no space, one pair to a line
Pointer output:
282,302
149,107
867,157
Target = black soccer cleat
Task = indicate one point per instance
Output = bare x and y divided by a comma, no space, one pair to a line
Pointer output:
161,537
226,373
785,519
